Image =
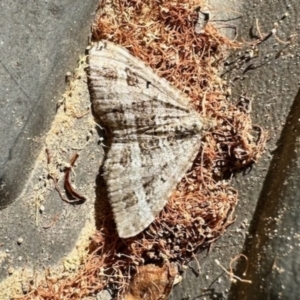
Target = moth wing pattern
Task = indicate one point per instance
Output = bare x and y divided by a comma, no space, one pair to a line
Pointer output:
155,135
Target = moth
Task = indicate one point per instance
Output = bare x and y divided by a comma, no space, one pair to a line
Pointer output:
154,135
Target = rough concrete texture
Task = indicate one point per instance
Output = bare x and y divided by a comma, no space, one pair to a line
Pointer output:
40,41
273,244
272,80
40,229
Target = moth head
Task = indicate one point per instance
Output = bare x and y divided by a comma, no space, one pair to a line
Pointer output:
198,126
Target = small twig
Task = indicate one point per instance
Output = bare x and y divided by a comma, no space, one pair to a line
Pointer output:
54,220
55,181
281,41
233,277
67,183
197,262
48,156
82,115
268,35
258,29
79,199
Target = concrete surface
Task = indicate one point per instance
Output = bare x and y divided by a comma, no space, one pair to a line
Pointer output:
273,244
40,41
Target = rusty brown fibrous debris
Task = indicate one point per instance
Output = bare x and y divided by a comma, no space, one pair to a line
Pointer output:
162,34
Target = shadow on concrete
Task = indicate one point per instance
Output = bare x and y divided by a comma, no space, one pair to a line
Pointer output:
272,246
